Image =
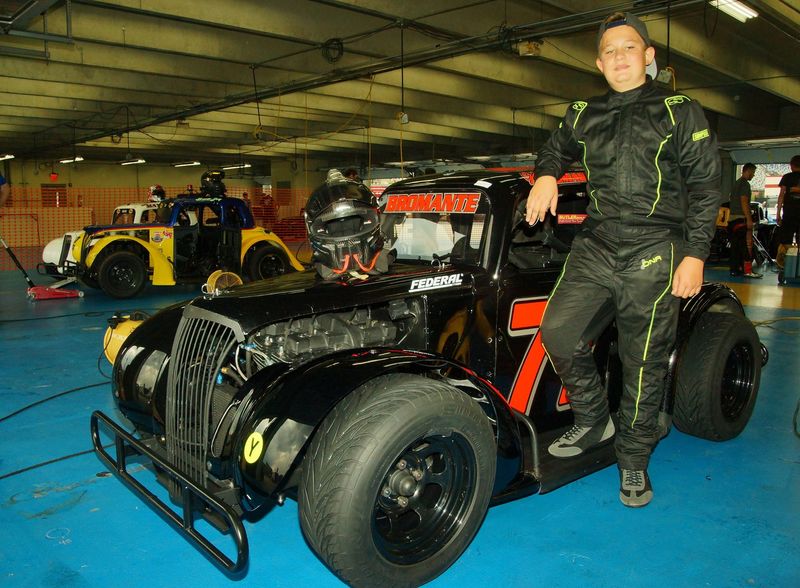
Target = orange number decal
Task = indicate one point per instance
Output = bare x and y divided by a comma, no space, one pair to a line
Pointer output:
525,319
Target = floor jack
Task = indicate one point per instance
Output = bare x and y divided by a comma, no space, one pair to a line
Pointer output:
42,292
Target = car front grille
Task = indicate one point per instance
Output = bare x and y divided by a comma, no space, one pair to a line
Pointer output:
202,346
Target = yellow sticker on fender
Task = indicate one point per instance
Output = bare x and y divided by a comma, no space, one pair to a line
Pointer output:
253,447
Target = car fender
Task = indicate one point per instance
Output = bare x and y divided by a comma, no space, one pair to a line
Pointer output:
162,274
713,297
77,246
253,238
277,416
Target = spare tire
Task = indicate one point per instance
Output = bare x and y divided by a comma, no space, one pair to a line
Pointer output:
718,377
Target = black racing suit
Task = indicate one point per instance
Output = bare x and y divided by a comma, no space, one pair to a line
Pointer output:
653,174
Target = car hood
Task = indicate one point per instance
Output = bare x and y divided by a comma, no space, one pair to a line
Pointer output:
305,293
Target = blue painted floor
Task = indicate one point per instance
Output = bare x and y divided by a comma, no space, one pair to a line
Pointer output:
724,514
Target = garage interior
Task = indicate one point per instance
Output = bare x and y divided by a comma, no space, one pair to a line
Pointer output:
277,93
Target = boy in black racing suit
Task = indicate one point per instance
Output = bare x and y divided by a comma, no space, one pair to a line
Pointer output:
653,176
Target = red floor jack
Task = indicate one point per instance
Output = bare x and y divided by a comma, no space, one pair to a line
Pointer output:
40,292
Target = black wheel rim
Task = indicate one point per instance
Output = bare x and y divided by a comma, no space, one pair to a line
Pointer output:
271,265
737,381
424,498
123,275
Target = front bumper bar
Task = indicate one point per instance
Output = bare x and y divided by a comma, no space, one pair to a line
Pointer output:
193,497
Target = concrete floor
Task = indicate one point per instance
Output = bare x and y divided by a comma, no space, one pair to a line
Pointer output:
724,514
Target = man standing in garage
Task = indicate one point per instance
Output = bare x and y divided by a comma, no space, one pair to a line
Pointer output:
5,191
653,176
788,213
740,225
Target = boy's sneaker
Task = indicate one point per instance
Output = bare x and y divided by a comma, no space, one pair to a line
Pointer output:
752,274
634,488
578,439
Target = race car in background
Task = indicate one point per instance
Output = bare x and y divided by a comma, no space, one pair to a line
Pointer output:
57,254
179,240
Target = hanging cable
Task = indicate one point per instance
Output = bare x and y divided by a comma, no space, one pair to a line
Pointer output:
402,72
402,95
669,27
369,138
305,146
255,94
128,129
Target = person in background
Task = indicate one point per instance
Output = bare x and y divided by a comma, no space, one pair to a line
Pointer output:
156,193
740,225
788,213
351,174
653,172
5,191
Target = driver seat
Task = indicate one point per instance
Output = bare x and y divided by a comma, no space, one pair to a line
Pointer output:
463,252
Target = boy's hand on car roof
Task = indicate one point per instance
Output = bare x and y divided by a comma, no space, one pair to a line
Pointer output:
542,198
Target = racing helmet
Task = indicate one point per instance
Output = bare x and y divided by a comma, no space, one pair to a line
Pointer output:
156,193
211,183
344,229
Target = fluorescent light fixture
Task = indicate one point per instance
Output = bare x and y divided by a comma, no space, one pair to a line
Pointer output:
75,159
240,166
402,163
6,156
134,161
186,164
734,8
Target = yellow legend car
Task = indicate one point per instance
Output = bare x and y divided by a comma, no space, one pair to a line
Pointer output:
193,237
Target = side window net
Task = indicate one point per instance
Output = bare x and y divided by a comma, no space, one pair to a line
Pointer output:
548,242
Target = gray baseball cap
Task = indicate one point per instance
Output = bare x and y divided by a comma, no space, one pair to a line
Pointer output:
626,19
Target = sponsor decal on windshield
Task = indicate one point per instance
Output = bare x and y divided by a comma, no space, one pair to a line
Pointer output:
436,282
434,202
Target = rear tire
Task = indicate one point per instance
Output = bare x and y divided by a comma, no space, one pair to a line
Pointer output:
122,274
397,481
267,261
718,377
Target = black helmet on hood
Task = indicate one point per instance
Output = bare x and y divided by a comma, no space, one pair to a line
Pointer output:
344,229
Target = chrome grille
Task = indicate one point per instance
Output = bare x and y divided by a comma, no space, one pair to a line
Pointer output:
202,346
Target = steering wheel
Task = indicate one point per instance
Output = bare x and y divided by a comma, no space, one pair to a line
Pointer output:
544,228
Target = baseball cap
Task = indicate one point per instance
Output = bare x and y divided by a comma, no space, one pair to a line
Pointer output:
625,19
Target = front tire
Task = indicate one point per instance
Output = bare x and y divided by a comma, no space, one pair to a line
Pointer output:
718,377
397,481
89,281
122,274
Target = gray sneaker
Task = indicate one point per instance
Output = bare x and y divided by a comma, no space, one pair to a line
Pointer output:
634,488
578,439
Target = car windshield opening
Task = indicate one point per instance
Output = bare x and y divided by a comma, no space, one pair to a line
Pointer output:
429,235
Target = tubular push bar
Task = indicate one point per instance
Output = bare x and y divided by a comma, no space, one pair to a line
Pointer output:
191,495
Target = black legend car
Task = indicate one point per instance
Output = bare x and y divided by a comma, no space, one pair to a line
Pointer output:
394,408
